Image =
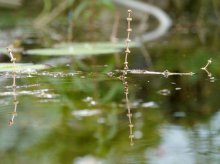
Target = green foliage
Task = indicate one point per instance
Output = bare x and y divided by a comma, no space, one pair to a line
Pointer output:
91,7
106,3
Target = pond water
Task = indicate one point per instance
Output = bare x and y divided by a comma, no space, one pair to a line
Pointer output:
76,113
82,111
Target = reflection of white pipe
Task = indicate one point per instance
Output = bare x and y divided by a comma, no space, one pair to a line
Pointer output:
164,20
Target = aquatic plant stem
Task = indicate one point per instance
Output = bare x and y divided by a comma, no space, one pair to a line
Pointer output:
206,70
208,63
164,20
165,73
126,89
126,70
15,102
13,60
129,114
127,41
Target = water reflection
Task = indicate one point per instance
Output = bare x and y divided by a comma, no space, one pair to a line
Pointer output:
129,114
198,144
15,101
96,131
124,77
175,147
80,128
164,92
205,68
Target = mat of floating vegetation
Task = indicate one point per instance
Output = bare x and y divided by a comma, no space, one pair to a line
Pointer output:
22,67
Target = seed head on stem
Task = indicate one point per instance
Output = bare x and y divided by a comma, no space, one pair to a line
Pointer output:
127,41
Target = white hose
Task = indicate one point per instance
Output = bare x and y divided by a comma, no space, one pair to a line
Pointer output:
164,20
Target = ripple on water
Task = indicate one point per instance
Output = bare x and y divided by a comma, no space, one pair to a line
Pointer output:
88,159
164,92
3,102
23,86
42,93
58,74
150,104
90,101
86,112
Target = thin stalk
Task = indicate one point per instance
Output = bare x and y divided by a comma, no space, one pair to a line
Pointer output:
127,41
15,101
206,70
124,77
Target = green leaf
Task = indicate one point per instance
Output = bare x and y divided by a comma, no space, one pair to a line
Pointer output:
95,45
82,51
21,67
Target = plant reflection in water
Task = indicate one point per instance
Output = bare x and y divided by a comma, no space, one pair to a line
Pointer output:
129,114
124,77
15,101
126,70
212,78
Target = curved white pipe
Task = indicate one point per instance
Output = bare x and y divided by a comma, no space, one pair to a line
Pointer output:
164,20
